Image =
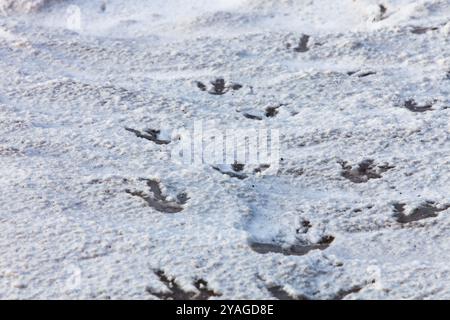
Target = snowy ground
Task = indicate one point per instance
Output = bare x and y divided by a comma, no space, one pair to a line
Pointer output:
359,206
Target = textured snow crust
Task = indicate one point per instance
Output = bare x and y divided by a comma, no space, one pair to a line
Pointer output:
358,208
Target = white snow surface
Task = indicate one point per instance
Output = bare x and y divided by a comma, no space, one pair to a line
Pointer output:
69,228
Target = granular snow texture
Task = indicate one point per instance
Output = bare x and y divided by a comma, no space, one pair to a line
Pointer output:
92,94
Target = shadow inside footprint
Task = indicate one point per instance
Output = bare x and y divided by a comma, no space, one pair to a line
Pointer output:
423,30
366,74
158,201
341,294
261,168
235,172
201,86
269,112
411,105
219,87
365,171
149,134
303,44
177,293
382,14
281,294
293,250
252,116
361,74
383,11
272,111
424,211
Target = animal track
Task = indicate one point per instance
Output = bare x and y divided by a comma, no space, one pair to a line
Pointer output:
177,293
272,111
261,168
361,74
365,171
411,105
424,211
366,74
281,294
238,167
252,117
269,112
305,226
302,45
422,30
219,87
341,294
149,134
382,15
234,172
293,250
158,201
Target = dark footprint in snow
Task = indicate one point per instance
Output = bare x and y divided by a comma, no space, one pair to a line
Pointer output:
382,13
269,112
361,74
281,294
158,201
237,167
201,86
177,293
422,30
261,168
411,105
149,134
341,294
272,111
293,250
252,117
302,45
424,211
219,87
235,170
305,226
366,74
364,171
